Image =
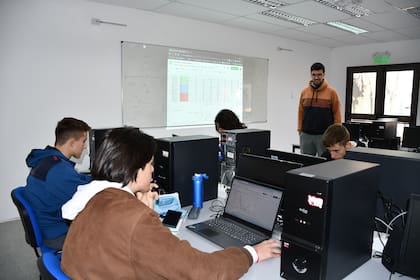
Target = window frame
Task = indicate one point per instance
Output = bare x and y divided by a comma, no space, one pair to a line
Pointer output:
381,71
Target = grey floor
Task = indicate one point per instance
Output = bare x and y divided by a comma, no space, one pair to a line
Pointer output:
17,258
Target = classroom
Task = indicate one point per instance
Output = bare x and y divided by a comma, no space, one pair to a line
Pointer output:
56,63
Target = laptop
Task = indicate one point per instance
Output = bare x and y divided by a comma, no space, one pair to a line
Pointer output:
248,218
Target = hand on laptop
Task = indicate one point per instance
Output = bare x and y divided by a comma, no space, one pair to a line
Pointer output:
268,249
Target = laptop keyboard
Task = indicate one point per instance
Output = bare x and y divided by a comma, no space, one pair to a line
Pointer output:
235,231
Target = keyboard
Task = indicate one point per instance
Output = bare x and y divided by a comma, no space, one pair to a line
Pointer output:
235,231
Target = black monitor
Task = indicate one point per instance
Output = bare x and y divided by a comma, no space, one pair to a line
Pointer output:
303,159
264,169
411,137
354,130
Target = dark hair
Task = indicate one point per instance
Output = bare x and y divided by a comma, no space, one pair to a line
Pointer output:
122,153
335,133
69,128
318,66
226,119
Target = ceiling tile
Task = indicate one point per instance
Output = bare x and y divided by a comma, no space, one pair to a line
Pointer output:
362,23
278,22
403,4
234,7
188,11
412,32
324,30
387,36
394,20
377,6
327,42
314,11
353,39
252,24
143,4
296,34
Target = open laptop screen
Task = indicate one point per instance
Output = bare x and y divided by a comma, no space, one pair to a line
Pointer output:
254,203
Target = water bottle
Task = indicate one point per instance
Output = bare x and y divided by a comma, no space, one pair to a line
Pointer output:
198,192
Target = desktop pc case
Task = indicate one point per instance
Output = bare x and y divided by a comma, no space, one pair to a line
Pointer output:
178,158
329,212
238,141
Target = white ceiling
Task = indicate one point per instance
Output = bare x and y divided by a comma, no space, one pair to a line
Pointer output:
389,20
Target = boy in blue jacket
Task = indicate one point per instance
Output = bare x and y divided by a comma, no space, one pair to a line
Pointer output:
53,180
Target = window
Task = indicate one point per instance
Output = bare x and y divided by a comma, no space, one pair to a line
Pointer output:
381,91
363,94
398,92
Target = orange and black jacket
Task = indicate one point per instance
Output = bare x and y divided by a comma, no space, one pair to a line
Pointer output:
318,109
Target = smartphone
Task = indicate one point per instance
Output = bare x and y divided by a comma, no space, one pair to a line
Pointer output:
171,219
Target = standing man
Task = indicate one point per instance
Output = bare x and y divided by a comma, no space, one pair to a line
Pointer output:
53,180
319,107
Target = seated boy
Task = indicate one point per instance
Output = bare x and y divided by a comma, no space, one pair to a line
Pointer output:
336,140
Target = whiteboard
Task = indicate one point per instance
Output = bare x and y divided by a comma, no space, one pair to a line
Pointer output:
150,94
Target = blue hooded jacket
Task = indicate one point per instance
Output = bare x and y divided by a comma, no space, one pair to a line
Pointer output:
51,183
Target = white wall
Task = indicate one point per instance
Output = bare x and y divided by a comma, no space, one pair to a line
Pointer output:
55,63
341,58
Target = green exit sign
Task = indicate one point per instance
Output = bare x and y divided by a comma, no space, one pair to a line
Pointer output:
381,59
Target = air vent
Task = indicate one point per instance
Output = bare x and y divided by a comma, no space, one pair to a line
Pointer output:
272,4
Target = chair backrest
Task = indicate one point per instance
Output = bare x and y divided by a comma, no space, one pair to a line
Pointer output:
49,265
27,216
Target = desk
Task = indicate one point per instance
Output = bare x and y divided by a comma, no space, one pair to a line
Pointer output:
270,269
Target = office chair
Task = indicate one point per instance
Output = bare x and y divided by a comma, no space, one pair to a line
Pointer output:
49,265
32,232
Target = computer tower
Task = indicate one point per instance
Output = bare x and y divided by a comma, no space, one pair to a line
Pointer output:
178,158
237,141
329,211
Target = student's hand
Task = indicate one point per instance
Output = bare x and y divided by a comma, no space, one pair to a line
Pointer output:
149,197
268,249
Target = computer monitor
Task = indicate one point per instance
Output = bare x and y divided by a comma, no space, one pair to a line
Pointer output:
354,130
265,169
411,137
303,159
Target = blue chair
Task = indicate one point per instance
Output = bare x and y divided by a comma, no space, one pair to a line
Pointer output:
32,232
49,265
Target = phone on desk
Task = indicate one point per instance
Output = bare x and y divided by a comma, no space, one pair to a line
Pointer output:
171,218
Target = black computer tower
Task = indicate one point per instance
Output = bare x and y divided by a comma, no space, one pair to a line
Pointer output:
238,141
329,212
178,158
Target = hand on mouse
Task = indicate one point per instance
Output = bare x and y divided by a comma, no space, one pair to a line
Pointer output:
268,249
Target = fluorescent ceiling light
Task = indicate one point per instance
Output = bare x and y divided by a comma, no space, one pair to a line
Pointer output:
272,4
347,27
346,6
282,15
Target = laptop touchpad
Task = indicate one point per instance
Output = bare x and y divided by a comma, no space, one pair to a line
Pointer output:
209,232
